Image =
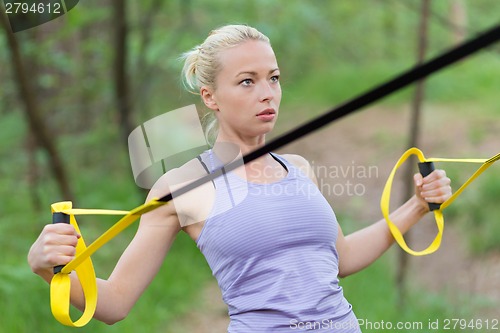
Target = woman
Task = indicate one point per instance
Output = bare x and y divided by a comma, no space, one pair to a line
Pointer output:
269,236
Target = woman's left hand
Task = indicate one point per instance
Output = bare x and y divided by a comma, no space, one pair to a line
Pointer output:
434,188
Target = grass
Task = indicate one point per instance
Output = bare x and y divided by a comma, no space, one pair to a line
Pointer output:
363,294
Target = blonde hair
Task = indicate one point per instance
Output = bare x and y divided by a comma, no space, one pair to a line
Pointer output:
201,64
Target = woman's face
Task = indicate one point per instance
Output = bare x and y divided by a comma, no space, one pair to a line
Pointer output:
248,94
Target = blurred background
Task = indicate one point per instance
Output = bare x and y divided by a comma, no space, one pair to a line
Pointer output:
72,90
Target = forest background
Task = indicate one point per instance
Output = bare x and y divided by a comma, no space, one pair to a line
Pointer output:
106,67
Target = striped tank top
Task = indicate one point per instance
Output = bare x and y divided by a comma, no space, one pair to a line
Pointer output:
271,248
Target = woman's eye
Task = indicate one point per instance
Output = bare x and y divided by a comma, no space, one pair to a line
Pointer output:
275,78
246,82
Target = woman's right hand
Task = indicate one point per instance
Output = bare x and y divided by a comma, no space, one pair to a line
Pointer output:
56,245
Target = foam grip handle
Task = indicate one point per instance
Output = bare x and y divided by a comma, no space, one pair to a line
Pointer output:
426,169
59,218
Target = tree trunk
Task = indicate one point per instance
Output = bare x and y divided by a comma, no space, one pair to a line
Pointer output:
32,112
142,70
413,141
122,95
33,172
458,18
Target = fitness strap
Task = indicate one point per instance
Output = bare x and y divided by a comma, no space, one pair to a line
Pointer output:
60,286
438,214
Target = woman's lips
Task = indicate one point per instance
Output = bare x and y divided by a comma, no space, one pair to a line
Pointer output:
267,115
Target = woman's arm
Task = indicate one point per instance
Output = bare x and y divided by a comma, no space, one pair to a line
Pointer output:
133,273
361,248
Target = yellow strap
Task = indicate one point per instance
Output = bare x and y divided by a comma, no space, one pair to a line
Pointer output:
60,285
438,214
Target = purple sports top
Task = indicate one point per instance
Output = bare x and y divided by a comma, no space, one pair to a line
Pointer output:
271,248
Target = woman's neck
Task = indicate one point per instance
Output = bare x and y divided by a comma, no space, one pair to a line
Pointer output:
228,151
245,145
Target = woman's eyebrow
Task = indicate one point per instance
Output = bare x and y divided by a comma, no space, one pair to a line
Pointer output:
252,73
247,73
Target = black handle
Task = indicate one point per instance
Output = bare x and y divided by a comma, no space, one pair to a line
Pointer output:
59,218
426,169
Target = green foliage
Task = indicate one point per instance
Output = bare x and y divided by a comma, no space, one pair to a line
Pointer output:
478,214
475,79
373,297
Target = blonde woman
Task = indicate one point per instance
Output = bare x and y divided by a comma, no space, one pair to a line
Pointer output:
270,237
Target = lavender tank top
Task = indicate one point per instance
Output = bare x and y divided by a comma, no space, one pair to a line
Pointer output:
271,248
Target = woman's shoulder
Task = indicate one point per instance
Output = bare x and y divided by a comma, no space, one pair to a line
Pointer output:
302,164
297,160
182,176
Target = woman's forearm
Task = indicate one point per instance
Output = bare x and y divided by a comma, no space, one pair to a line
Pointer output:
364,246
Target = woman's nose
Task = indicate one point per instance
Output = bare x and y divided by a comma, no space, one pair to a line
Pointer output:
266,92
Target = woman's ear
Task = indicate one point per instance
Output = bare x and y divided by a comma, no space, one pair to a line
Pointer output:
208,98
